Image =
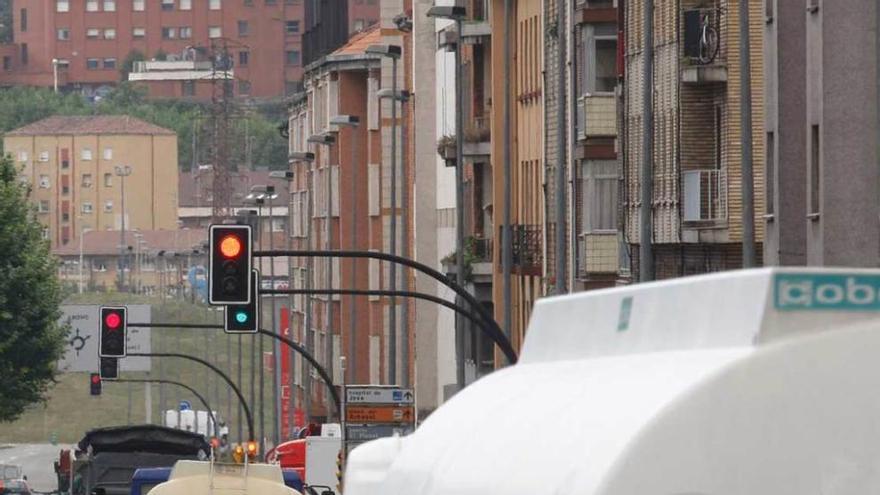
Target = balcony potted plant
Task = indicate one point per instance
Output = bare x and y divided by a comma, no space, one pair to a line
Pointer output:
446,148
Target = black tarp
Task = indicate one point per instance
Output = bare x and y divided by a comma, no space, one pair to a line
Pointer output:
144,438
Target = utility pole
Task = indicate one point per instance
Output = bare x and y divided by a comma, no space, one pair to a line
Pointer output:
646,251
745,95
561,276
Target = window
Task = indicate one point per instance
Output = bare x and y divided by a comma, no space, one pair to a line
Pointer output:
768,11
815,170
110,34
91,5
109,63
87,180
46,233
271,2
108,206
44,182
813,6
214,4
137,5
358,24
188,88
185,4
44,156
243,59
87,207
244,87
169,33
93,33
243,28
24,54
63,34
86,152
62,6
92,63
108,180
44,206
167,5
109,5
108,153
770,175
214,32
65,217
65,189
23,156
7,63
291,27
138,32
599,195
23,20
291,57
185,32
65,157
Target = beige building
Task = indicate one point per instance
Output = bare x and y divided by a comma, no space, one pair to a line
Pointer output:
71,163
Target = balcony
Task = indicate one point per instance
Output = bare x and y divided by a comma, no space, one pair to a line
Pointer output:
477,138
705,49
527,252
597,116
705,197
598,253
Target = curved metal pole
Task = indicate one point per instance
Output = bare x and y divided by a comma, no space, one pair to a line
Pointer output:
308,357
179,384
244,404
436,275
489,330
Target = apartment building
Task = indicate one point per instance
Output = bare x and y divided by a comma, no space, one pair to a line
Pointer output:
83,45
72,164
821,133
697,195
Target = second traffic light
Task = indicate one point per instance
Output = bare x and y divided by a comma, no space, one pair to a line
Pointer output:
244,318
229,276
112,336
95,384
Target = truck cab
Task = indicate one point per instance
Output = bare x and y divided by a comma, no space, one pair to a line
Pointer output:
755,381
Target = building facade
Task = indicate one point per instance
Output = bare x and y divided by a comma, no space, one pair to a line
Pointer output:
697,174
71,164
91,40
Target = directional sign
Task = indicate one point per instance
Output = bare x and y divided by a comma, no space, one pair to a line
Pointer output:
81,354
185,406
364,433
379,414
378,395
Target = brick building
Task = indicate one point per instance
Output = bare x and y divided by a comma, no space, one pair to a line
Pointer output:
90,40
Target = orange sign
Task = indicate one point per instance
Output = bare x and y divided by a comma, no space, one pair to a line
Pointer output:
379,414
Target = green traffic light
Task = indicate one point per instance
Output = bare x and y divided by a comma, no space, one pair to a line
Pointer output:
241,317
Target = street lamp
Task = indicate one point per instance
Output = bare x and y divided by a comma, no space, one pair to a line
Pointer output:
328,139
393,52
456,14
122,171
352,122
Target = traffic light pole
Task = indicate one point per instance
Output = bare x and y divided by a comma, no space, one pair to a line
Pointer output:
290,343
172,382
436,275
490,331
247,409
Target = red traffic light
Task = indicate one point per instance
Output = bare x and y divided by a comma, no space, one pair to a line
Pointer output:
112,320
230,246
96,378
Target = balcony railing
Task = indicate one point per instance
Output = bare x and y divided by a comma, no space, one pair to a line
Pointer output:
597,116
526,246
598,253
705,195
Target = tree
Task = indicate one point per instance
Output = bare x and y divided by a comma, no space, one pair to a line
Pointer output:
31,338
128,64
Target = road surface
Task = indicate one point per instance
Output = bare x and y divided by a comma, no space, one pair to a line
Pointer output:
35,461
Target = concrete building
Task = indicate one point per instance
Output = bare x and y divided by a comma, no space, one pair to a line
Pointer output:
71,164
822,109
697,196
89,42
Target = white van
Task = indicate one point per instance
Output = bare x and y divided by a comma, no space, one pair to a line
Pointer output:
751,382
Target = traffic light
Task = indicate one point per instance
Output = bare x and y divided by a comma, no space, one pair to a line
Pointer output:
95,383
109,368
238,454
112,335
229,278
244,318
251,450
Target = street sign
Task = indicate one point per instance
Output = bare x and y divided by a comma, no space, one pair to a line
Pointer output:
379,414
378,395
365,433
185,406
81,353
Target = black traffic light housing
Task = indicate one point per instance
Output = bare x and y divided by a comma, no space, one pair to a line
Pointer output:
244,318
95,383
109,368
114,321
229,277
